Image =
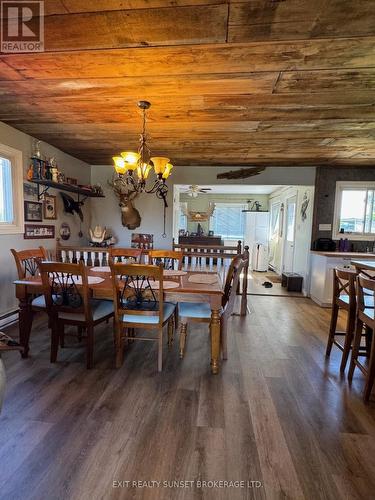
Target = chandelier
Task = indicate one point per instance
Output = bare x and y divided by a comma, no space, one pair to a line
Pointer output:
133,168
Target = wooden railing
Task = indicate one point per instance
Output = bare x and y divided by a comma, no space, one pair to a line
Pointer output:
216,258
196,258
92,256
208,257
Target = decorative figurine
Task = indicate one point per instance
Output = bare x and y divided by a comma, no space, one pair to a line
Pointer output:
36,149
54,170
97,189
55,174
48,171
61,177
30,172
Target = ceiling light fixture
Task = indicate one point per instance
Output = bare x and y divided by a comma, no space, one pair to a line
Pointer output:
133,168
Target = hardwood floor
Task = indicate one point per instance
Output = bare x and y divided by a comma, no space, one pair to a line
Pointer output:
255,285
277,413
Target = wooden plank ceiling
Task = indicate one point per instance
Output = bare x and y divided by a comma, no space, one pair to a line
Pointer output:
257,82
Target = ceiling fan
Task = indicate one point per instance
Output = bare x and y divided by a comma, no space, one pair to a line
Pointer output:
194,190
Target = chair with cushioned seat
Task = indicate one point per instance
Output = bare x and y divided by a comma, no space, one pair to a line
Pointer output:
139,305
365,317
344,298
67,297
170,259
200,312
125,255
27,266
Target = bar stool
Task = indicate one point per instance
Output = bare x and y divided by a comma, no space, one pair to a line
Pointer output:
344,297
365,317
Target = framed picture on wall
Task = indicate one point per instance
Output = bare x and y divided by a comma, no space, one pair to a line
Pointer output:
30,190
36,232
49,207
33,211
144,241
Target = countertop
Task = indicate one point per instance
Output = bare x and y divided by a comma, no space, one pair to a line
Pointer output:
349,255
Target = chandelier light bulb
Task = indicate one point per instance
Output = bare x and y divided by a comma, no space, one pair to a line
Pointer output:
160,163
167,170
143,171
131,157
120,166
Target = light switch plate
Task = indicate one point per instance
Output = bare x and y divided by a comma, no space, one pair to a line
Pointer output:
325,227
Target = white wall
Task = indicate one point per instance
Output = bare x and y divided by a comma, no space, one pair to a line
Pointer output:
151,209
73,168
303,230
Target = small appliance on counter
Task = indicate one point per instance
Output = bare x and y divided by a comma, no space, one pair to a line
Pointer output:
324,245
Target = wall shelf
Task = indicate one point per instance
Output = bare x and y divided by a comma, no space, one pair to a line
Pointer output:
70,188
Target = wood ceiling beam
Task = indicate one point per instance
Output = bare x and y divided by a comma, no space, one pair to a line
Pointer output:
300,19
194,60
136,28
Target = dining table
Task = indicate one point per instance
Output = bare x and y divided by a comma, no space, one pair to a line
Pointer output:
189,286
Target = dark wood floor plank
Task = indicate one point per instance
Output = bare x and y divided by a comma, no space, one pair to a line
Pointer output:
278,412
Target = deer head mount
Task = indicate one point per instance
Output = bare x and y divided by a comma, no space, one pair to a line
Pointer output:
130,217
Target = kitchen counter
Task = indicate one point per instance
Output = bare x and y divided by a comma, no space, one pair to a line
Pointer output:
359,255
321,272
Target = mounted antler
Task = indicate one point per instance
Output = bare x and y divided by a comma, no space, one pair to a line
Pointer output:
198,216
243,173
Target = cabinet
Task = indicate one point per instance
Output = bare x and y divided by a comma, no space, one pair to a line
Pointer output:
322,265
200,240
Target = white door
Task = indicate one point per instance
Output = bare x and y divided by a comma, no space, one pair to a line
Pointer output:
290,229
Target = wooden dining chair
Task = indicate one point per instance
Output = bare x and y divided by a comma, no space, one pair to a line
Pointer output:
170,259
27,261
68,300
200,312
27,266
139,305
125,255
344,298
364,319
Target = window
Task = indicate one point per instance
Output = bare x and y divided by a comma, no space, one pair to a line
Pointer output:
290,220
228,221
354,210
6,192
11,191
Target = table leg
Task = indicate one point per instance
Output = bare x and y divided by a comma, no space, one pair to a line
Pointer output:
25,324
215,340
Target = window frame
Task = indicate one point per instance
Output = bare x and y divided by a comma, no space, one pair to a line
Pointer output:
340,187
241,205
16,160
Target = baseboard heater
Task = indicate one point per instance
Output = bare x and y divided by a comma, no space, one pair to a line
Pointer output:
8,319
